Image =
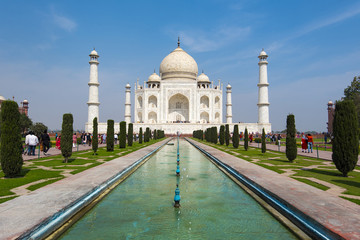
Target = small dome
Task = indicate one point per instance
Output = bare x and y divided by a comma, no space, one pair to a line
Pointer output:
203,78
128,85
330,102
94,53
2,98
263,54
228,86
178,64
154,78
25,101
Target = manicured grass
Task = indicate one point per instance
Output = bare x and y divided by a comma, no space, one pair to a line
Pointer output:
357,201
78,162
7,199
278,162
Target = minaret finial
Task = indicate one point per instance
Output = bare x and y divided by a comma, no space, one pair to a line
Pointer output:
178,41
263,49
202,71
154,70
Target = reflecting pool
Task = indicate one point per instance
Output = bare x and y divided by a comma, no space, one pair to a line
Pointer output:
212,205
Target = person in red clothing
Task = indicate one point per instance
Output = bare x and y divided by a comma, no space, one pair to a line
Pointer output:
304,143
58,142
310,143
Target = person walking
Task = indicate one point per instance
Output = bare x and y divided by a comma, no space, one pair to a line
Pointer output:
31,140
304,143
45,138
310,143
74,140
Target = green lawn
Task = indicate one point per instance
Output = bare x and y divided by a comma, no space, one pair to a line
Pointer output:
50,169
277,161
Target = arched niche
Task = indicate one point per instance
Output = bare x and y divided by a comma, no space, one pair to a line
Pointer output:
178,110
140,101
152,117
140,119
217,117
152,102
217,102
204,102
204,117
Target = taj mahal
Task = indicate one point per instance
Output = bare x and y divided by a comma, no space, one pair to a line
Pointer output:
179,99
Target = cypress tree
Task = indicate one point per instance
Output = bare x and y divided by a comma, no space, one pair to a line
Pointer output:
10,139
263,141
227,135
246,140
147,135
222,134
95,139
236,137
155,134
130,134
158,132
140,136
122,142
66,136
291,149
346,137
110,136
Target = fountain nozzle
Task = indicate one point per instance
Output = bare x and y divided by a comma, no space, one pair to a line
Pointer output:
177,197
178,170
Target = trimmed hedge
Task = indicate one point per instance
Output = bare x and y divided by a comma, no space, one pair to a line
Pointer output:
122,140
95,139
110,136
130,134
66,136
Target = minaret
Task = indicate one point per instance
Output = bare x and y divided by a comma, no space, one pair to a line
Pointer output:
228,104
127,104
93,103
263,103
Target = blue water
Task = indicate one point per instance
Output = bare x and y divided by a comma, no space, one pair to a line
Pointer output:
212,205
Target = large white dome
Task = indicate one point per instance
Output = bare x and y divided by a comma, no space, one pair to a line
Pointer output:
178,64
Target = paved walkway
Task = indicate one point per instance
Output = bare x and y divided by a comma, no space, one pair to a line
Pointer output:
325,155
27,211
338,215
54,151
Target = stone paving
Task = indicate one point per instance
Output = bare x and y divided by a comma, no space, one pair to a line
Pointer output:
27,211
339,215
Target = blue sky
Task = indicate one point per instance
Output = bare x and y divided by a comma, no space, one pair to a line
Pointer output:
313,49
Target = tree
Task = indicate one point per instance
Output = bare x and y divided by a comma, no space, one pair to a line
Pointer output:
263,142
352,92
227,135
38,128
11,146
155,134
222,135
66,136
246,140
236,139
291,148
95,139
147,135
140,136
214,135
130,134
122,142
346,137
25,122
110,136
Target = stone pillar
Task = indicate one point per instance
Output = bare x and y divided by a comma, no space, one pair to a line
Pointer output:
263,98
331,114
228,104
127,104
93,103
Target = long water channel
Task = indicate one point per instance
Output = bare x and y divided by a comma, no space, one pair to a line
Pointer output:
212,205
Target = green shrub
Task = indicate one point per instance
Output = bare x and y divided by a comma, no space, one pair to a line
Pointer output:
122,142
236,137
95,139
155,134
130,134
11,146
66,136
110,135
246,140
227,135
257,140
222,135
291,149
140,135
263,141
346,137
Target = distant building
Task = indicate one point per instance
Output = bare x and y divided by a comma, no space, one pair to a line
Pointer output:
23,107
331,113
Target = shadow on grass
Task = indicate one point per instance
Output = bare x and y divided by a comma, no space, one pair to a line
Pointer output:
324,172
347,182
22,174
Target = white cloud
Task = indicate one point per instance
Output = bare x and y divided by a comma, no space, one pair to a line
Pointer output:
64,22
201,41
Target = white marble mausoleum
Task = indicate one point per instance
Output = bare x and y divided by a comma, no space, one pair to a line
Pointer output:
179,99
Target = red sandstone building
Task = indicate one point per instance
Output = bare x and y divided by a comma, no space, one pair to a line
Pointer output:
23,108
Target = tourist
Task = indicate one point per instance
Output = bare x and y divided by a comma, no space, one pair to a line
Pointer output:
58,143
74,140
310,143
116,138
304,143
31,140
251,137
104,138
279,139
88,139
45,138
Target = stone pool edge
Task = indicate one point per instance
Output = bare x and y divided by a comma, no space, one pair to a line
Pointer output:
25,216
336,218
